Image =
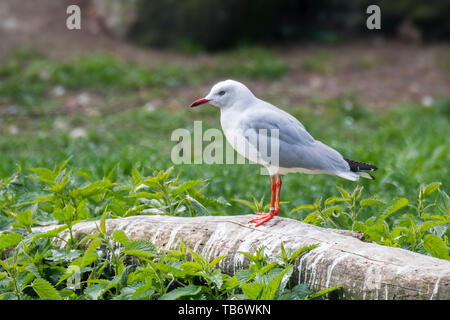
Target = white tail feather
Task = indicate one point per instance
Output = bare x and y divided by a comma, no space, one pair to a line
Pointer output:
353,176
365,175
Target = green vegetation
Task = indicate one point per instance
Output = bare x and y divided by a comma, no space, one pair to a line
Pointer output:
27,78
424,228
254,62
117,153
320,62
39,268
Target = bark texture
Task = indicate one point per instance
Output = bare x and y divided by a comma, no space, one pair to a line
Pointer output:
363,270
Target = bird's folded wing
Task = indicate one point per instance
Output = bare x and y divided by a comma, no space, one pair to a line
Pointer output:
295,147
289,129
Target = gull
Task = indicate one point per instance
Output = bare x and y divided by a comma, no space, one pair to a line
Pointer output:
273,138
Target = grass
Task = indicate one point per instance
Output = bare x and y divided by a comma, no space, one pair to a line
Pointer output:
254,63
115,150
410,144
27,78
367,62
320,62
349,127
401,142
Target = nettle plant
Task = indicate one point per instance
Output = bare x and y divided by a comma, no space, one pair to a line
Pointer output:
111,266
66,197
54,264
424,228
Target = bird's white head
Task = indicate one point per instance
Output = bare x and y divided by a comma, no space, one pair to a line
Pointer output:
225,94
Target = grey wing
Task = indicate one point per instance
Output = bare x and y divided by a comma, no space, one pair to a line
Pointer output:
291,143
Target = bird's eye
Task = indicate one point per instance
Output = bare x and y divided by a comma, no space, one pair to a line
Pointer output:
221,93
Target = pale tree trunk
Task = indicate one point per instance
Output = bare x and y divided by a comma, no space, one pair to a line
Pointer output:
363,270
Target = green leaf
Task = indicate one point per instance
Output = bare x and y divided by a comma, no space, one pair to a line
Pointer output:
93,188
430,224
215,261
177,293
50,234
243,275
185,186
396,205
432,187
45,290
147,195
9,239
253,290
121,237
330,210
247,203
276,284
34,270
344,193
250,256
49,198
84,173
65,214
72,269
191,267
312,218
136,178
103,221
199,209
63,164
333,200
360,226
198,258
437,217
25,218
216,278
230,283
82,211
44,173
303,207
5,265
377,231
436,247
371,202
94,291
301,251
142,248
321,293
207,201
143,292
298,292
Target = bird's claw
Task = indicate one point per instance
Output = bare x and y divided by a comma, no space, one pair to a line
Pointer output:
263,218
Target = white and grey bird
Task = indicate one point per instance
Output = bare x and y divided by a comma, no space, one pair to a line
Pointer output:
275,139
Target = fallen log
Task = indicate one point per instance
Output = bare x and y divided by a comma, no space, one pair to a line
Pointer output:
363,270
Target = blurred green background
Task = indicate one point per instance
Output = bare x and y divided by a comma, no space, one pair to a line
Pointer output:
110,95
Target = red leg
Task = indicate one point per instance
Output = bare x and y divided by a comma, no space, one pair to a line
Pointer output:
277,206
273,211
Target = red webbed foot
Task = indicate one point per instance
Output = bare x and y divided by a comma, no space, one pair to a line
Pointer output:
263,217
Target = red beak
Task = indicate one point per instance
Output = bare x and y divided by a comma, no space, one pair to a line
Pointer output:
198,102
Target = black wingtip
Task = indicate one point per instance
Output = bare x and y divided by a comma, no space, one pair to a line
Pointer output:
357,166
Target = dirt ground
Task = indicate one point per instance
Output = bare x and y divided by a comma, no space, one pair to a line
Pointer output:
401,72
